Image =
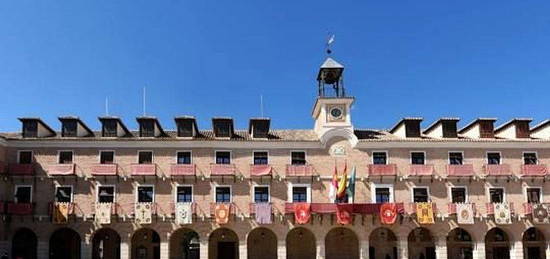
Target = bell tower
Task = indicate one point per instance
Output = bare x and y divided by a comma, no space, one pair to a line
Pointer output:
331,111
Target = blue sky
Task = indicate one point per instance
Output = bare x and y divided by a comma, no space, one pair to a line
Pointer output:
215,58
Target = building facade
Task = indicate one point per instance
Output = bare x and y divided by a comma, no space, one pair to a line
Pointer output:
433,192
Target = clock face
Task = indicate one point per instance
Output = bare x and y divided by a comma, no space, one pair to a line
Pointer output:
336,112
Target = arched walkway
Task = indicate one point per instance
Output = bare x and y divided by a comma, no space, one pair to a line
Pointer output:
223,244
262,243
23,244
106,244
534,244
341,243
65,244
421,244
459,244
145,244
300,244
497,244
184,244
383,244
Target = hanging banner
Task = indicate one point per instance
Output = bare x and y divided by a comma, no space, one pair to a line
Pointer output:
464,213
344,213
540,213
144,213
425,213
184,213
221,212
342,183
61,212
262,212
502,213
388,213
302,212
103,213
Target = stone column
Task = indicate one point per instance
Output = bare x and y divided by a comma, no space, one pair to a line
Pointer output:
402,248
321,249
85,250
124,250
281,249
203,249
43,250
164,251
547,250
516,251
479,250
364,249
243,252
441,247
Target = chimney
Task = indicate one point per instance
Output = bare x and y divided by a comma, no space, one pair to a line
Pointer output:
259,127
514,129
443,128
35,128
186,126
479,128
408,127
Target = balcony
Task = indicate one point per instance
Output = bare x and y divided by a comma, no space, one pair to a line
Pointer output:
114,208
72,208
421,170
451,208
222,169
497,170
183,170
21,169
260,170
533,170
154,207
528,207
490,208
252,208
360,208
460,170
412,208
104,169
143,170
171,210
383,170
232,208
20,208
61,169
299,170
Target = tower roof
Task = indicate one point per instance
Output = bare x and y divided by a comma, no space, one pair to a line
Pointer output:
331,63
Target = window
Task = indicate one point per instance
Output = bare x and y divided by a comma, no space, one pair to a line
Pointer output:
183,157
420,194
185,128
23,194
458,195
106,194
64,194
530,158
69,128
534,195
223,194
223,157
109,128
455,158
30,129
382,194
299,194
145,194
260,158
379,158
147,128
298,158
496,195
25,157
418,158
65,157
261,194
184,194
493,158
145,157
106,157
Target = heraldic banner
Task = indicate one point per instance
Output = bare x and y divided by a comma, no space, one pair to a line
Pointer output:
184,213
61,212
262,211
425,213
221,212
103,213
502,213
144,213
344,213
302,212
388,213
540,213
464,213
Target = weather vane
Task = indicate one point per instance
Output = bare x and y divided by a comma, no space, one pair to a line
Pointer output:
329,43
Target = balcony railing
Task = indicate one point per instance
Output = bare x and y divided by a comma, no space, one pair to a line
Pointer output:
20,208
490,208
412,208
183,170
172,208
460,170
61,169
72,208
222,169
497,170
260,170
299,170
232,207
528,207
421,170
104,169
359,208
451,207
114,208
383,170
154,207
21,169
143,169
533,170
252,208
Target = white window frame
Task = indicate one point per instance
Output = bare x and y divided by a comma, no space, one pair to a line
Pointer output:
223,186
180,151
374,186
450,193
254,191
488,191
106,150
266,151
421,187
184,185
65,150
296,150
152,156
32,155
22,186
449,156
292,185
72,191
499,154
523,156
105,185
230,155
380,151
145,185
541,198
418,151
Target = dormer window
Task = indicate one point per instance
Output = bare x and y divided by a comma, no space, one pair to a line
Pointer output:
147,128
69,128
223,127
30,129
109,128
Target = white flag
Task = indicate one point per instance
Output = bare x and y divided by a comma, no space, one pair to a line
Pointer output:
184,213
